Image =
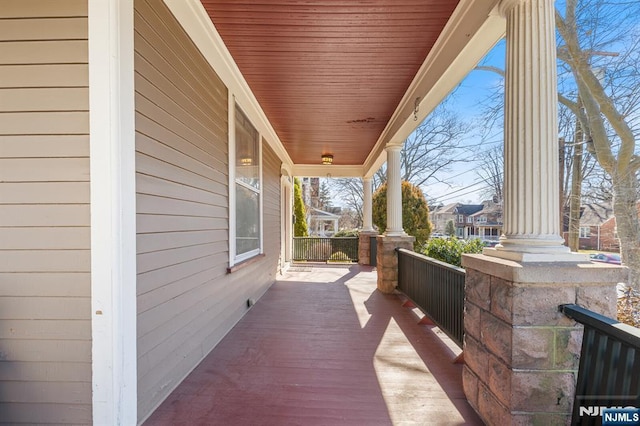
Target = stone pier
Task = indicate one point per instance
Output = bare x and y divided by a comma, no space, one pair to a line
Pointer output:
387,260
364,247
521,353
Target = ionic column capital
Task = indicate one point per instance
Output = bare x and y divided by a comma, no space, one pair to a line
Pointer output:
505,6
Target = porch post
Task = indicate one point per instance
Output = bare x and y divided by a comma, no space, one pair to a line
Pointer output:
531,192
521,355
367,211
367,232
394,192
394,237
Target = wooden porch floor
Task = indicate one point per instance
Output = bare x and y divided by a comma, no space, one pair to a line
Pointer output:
324,347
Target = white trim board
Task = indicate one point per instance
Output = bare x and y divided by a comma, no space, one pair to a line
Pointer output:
113,212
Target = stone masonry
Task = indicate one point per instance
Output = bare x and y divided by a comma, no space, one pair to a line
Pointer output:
364,247
387,260
521,354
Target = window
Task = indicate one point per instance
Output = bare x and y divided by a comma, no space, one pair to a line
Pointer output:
460,218
585,232
469,219
247,187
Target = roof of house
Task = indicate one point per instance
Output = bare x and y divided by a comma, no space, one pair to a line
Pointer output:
448,208
468,209
489,209
595,214
321,214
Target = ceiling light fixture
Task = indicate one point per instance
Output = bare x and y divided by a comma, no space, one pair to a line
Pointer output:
327,159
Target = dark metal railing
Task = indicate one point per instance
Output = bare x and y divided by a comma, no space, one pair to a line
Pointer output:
437,288
609,371
320,249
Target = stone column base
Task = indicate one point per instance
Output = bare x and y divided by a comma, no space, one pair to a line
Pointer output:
364,247
521,354
387,260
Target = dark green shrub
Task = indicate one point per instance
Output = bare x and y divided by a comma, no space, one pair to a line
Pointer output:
450,250
415,212
339,257
300,225
347,233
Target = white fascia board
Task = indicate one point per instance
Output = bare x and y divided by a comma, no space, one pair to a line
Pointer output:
113,212
474,28
320,170
196,22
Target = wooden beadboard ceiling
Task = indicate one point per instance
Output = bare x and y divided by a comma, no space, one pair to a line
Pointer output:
329,73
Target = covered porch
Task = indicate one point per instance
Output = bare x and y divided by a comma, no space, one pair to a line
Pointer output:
322,346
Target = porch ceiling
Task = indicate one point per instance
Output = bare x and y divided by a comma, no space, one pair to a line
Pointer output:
330,74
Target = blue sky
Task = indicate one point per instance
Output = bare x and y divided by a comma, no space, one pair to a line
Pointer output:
468,101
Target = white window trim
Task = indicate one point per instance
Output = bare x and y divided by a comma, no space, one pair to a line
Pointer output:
233,258
586,234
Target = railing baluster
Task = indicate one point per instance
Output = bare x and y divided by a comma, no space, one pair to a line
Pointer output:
609,369
320,249
437,288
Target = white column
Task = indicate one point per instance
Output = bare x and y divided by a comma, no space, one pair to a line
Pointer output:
531,201
394,192
367,222
113,212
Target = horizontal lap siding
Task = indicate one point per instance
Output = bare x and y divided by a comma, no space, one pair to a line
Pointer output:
45,285
186,299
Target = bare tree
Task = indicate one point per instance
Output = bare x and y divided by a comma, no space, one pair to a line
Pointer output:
491,171
432,147
430,150
350,192
607,85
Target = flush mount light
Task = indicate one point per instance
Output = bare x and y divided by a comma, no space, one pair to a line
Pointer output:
327,159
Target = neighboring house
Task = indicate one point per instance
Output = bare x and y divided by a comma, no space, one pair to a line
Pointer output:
463,219
440,215
322,223
487,223
597,228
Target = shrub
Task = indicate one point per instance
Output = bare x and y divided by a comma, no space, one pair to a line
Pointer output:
450,230
415,212
629,306
300,225
451,250
339,257
347,233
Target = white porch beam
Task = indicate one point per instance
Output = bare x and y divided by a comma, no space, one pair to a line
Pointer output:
113,212
394,192
319,170
531,201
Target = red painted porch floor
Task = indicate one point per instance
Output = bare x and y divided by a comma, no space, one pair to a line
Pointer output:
324,347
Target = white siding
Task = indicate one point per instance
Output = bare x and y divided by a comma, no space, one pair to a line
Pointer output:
187,301
45,327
